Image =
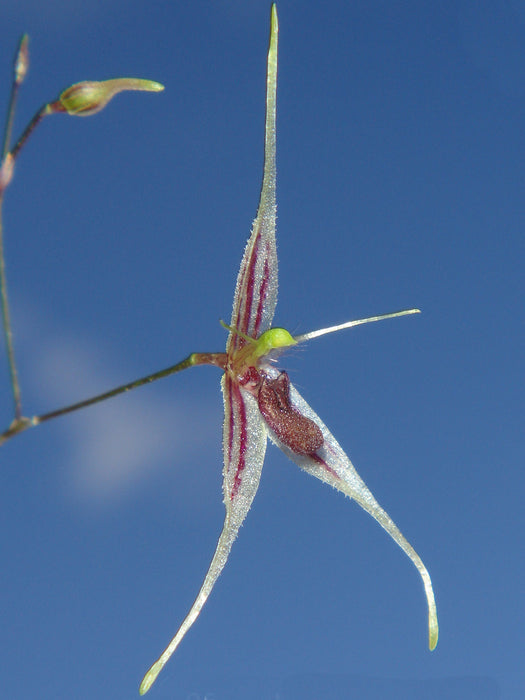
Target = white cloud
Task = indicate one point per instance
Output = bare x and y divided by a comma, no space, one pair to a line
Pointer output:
117,447
114,448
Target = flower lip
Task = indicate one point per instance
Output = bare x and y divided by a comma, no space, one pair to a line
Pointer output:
298,432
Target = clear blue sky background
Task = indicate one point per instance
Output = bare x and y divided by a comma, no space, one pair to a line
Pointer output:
401,178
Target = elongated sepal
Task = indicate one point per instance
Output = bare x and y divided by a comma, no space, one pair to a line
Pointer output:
90,96
330,464
256,289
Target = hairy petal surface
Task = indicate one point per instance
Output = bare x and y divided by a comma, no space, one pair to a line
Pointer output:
244,445
330,464
245,438
256,289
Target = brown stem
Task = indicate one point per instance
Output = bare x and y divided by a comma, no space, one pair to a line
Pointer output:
44,111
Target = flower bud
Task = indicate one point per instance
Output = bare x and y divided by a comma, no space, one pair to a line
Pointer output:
90,96
22,60
7,167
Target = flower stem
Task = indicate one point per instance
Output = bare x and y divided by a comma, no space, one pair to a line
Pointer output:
196,358
44,111
7,324
20,67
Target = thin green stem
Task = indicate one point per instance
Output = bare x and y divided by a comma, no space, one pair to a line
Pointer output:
20,424
15,387
6,322
20,67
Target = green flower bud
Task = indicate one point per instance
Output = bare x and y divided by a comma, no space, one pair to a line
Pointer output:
22,60
89,97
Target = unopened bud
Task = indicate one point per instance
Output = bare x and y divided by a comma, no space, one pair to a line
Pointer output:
22,60
89,97
6,171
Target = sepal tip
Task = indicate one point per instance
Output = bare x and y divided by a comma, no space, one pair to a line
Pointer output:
150,677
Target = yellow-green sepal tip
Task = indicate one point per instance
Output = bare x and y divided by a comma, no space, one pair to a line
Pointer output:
433,631
150,677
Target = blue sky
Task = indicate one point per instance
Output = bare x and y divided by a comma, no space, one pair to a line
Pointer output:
401,174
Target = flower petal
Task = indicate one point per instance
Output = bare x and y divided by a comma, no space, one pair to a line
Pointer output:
256,290
244,445
330,464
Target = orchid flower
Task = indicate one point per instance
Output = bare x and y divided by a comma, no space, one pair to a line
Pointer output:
260,402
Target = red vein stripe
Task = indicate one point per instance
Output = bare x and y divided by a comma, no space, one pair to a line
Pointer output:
246,290
237,423
263,291
316,458
253,287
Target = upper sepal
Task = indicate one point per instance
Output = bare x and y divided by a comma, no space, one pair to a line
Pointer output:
256,289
